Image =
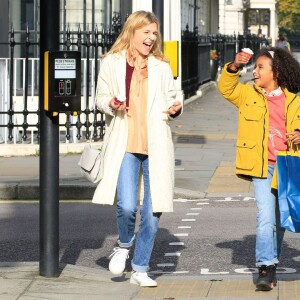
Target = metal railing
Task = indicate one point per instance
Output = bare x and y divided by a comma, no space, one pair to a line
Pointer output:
19,86
198,65
19,99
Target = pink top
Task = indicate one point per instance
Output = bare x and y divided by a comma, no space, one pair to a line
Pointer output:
277,138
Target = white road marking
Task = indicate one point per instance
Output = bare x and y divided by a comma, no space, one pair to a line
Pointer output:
179,200
173,254
192,214
246,270
180,272
188,220
206,272
279,270
166,265
176,244
248,198
179,169
166,272
181,234
184,227
228,200
202,203
195,208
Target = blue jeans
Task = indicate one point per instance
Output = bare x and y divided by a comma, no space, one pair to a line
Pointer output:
127,193
269,234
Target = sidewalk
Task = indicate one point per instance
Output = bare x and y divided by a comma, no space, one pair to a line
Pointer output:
204,139
22,281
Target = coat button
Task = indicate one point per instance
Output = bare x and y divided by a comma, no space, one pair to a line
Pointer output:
244,144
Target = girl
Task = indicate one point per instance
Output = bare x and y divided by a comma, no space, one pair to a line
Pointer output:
269,115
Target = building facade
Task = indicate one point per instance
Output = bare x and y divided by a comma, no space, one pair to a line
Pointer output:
249,16
195,28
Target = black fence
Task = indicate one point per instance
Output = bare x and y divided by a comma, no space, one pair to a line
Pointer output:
202,56
91,44
295,43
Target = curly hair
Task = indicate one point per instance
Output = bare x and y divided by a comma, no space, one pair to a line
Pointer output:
285,67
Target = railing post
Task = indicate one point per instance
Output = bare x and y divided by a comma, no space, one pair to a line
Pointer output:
10,124
25,92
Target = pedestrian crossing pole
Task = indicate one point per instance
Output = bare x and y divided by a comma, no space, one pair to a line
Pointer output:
49,150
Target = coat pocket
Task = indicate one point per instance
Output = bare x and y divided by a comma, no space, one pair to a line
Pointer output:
253,114
246,154
296,122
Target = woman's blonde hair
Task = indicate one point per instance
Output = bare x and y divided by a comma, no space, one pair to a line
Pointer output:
136,21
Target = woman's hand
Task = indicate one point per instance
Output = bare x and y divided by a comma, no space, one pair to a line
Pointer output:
294,137
174,109
117,105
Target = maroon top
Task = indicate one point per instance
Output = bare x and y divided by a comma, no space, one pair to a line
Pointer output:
129,71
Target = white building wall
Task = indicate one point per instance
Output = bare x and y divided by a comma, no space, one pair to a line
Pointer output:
172,32
171,28
231,17
268,4
141,5
75,11
202,15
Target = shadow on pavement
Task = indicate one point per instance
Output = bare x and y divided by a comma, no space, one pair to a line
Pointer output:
243,254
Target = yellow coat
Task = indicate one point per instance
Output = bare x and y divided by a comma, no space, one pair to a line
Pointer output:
253,122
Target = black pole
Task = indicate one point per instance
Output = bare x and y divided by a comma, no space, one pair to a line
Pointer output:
93,16
49,150
195,14
158,10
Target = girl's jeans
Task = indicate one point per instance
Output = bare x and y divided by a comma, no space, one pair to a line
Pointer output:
127,193
269,234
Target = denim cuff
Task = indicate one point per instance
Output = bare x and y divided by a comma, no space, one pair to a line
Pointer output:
137,268
126,245
267,263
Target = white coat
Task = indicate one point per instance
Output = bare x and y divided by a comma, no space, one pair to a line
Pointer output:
161,94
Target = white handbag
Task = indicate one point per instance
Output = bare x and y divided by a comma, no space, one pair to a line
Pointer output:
90,164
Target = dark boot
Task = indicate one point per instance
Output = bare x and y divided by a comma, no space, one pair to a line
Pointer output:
274,277
266,278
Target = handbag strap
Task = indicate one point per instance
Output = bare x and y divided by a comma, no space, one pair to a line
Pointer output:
291,147
94,110
113,120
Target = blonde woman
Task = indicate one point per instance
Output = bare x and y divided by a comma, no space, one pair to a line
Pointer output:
137,94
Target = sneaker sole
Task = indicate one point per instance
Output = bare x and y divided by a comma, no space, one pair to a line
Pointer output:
154,284
264,287
116,272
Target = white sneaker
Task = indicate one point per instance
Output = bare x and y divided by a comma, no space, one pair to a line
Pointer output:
118,260
142,279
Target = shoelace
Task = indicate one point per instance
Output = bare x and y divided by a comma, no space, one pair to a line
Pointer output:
118,251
